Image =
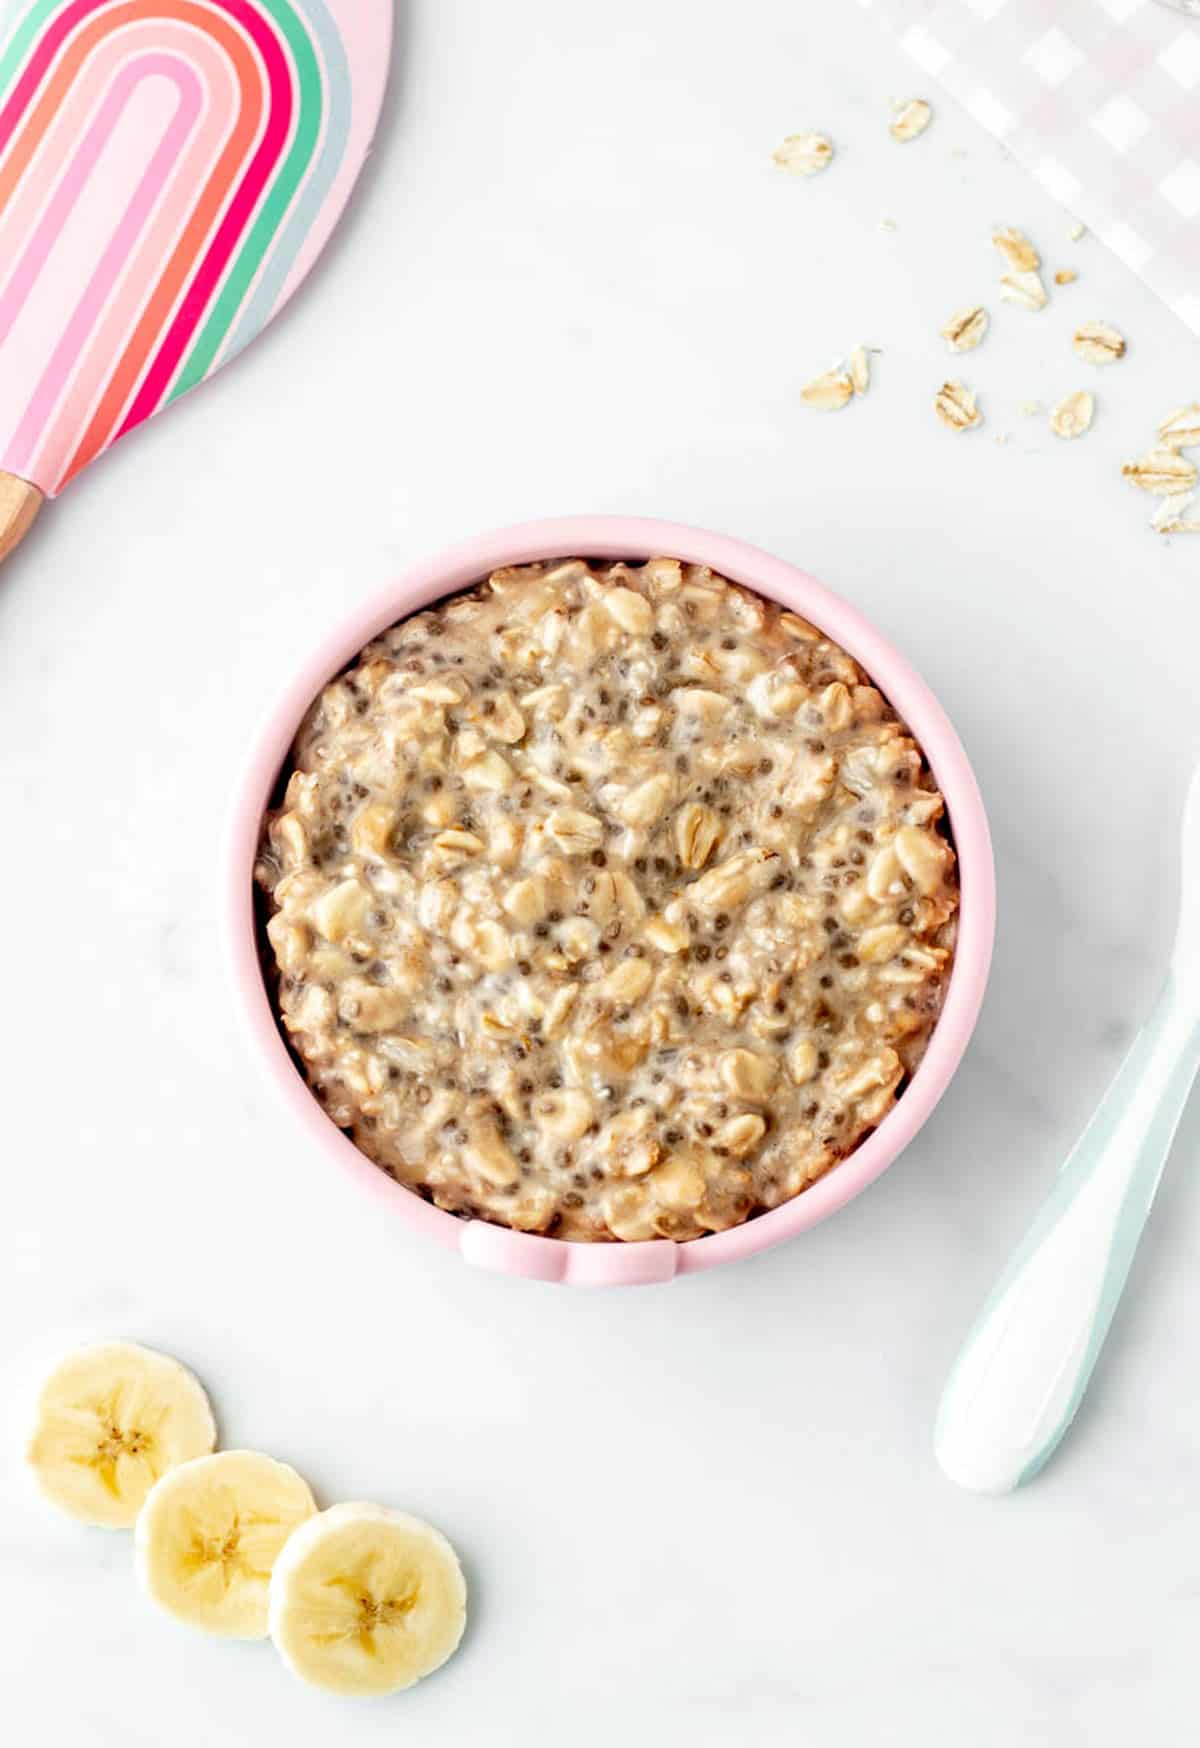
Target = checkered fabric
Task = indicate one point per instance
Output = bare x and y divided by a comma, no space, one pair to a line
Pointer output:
1100,99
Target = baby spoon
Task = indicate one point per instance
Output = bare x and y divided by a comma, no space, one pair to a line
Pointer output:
1020,1378
169,172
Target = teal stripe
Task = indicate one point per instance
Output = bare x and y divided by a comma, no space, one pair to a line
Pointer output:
262,233
339,103
17,52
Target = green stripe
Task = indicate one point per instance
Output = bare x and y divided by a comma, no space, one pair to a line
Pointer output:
18,49
274,208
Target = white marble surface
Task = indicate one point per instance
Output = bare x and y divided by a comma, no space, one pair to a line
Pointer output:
703,1514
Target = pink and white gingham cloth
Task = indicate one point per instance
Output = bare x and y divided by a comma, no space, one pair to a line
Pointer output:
1100,99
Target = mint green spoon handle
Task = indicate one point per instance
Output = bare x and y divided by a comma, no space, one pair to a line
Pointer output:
1024,1368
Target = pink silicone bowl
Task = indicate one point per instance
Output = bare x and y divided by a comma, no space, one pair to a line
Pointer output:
612,537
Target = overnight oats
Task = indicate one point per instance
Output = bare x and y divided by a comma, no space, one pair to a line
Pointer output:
607,902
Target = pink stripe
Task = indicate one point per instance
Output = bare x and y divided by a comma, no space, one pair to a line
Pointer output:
108,269
67,193
39,64
237,219
241,209
67,425
84,97
34,189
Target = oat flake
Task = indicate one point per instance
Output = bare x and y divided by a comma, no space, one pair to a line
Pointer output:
1073,414
966,328
1181,429
1164,472
955,405
1024,289
830,392
804,154
1168,517
860,370
1017,250
910,119
1098,343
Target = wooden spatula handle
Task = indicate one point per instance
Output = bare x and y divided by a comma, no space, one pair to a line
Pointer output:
19,505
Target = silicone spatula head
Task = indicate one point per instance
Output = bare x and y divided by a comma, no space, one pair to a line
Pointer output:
169,172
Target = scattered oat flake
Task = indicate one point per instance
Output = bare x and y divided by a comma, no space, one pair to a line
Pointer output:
1097,343
1066,276
910,119
1078,229
1164,472
955,405
830,392
1181,429
1024,289
1168,515
1032,409
1001,438
966,328
860,370
1073,414
804,154
1017,250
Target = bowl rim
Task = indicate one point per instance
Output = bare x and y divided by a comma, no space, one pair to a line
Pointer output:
636,538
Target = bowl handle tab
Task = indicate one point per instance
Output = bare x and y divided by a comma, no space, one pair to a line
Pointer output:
581,1265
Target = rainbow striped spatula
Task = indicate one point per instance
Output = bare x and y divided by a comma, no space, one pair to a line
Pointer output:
169,172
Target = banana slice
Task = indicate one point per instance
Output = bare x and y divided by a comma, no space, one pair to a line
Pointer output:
110,1420
210,1533
365,1600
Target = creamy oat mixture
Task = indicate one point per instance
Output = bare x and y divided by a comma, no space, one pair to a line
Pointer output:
612,902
